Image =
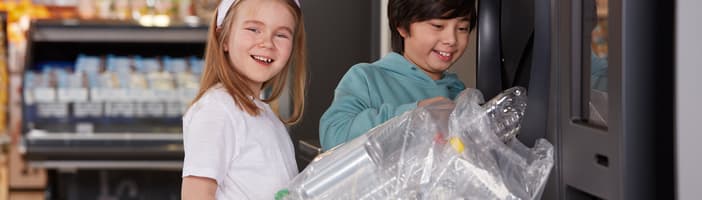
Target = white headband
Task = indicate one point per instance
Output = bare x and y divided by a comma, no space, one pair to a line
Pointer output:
224,6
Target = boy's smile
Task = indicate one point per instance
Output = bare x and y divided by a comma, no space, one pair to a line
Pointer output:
443,55
434,45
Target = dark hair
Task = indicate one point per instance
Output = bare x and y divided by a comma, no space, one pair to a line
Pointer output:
402,13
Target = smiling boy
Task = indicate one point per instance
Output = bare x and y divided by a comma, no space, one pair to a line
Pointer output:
428,37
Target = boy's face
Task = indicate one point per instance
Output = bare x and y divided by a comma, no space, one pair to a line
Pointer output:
261,39
435,44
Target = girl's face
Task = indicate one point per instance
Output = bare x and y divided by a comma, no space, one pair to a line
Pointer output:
434,45
260,40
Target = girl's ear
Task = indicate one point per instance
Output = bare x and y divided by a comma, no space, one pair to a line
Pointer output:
225,46
403,32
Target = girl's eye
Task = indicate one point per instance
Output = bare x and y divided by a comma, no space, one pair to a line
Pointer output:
252,30
437,26
463,29
282,36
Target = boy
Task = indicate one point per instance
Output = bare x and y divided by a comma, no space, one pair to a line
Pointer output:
428,37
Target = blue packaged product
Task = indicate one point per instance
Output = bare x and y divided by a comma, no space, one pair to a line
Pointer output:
196,65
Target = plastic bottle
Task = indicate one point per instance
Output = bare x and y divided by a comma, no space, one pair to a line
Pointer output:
365,166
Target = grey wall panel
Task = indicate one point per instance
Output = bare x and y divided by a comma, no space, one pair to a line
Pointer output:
465,67
339,35
689,96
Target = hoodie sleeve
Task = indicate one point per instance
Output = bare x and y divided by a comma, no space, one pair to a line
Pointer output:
351,113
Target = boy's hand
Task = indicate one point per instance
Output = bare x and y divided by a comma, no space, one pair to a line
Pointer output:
432,100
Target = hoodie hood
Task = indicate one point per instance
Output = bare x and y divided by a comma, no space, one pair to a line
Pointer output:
397,63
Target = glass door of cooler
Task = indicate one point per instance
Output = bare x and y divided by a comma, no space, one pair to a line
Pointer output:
615,94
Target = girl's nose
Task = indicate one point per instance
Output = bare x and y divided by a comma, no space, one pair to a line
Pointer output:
265,42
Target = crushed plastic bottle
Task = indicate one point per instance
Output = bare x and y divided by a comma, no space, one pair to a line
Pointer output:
464,150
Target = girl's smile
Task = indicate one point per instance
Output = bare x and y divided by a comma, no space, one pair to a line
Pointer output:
262,60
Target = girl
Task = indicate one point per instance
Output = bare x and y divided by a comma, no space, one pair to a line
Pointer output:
236,147
428,37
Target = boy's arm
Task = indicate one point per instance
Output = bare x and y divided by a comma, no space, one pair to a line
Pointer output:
351,113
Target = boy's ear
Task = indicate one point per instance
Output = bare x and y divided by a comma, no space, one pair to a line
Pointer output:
403,32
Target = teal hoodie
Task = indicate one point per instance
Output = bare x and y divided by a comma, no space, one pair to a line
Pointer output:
370,94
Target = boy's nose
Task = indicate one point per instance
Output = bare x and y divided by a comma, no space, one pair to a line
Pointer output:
448,37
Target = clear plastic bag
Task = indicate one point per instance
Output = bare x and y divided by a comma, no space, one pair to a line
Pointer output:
464,150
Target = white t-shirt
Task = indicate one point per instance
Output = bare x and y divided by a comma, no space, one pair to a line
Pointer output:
249,157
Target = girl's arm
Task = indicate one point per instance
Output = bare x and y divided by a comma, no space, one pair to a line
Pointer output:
197,188
209,139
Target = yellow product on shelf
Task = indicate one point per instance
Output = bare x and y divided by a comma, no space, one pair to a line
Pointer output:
18,16
4,97
4,93
4,76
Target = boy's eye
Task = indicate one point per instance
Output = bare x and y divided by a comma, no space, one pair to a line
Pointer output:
437,26
463,29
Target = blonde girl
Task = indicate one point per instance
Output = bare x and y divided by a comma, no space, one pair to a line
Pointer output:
236,146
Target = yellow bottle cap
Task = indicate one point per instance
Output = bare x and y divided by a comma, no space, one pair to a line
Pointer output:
457,144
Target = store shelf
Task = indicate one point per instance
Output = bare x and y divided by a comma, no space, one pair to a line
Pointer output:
116,147
110,165
39,135
60,31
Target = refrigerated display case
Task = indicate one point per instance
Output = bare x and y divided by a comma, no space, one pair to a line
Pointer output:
97,93
102,103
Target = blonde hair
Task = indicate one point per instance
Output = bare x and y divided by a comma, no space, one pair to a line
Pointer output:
218,69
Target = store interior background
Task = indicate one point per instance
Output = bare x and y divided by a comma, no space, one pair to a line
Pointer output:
59,144
115,133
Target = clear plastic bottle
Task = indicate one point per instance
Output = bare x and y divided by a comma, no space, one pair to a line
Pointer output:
400,153
506,111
